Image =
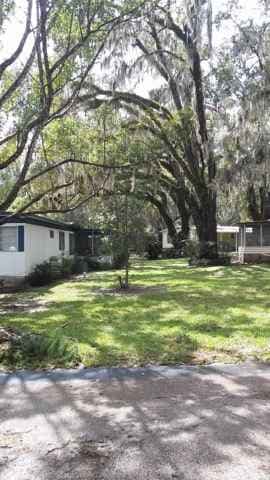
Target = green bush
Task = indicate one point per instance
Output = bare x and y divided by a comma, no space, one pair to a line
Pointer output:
92,263
79,265
97,263
210,262
66,266
105,266
33,349
55,269
171,253
191,249
41,275
154,250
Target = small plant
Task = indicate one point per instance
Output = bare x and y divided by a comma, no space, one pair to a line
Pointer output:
34,349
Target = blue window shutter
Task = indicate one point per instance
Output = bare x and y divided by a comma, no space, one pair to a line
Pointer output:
21,238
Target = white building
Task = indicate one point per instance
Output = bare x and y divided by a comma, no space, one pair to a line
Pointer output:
254,242
228,237
27,240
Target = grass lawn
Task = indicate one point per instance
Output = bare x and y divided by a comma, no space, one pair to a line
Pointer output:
182,315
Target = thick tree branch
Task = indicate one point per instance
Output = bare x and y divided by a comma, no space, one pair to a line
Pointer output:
19,79
11,196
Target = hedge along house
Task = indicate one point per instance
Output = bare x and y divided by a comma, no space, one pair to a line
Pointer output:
27,240
254,242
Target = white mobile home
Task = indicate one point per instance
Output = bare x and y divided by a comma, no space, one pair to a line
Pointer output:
254,242
27,240
228,237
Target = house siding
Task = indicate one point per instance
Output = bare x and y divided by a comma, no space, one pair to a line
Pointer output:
12,264
38,247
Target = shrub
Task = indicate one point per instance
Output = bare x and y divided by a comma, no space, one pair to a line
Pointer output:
99,263
28,349
171,253
106,266
92,263
79,265
41,275
154,250
56,268
191,249
209,262
66,266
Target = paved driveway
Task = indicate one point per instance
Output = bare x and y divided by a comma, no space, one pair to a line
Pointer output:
183,423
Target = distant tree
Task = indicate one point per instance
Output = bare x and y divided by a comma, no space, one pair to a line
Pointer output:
242,92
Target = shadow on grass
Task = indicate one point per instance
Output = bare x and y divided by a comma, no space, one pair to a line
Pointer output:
110,334
200,309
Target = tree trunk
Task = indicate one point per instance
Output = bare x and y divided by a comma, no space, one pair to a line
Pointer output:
252,204
206,226
175,236
180,202
169,222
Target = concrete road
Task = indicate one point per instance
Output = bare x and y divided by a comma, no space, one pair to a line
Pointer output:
188,423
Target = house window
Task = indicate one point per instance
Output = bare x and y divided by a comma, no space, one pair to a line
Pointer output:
51,234
8,239
71,244
61,241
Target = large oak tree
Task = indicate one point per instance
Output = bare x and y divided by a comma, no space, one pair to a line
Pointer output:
169,40
40,83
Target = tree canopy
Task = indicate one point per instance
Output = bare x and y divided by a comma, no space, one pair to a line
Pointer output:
195,130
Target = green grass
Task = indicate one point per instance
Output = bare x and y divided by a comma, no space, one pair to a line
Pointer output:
191,315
